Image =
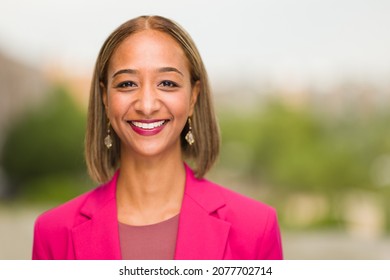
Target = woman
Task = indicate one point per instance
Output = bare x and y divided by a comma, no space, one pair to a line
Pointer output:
150,108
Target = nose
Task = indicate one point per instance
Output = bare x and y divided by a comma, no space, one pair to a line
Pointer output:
147,102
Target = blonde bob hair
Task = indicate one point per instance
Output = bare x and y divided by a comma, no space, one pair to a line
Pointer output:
102,162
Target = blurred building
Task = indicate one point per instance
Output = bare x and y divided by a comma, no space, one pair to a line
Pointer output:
21,86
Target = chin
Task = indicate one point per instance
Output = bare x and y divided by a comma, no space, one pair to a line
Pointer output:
154,150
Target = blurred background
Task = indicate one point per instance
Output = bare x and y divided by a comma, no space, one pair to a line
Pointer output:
302,91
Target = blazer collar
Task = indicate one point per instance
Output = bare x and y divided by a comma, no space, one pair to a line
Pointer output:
201,234
98,236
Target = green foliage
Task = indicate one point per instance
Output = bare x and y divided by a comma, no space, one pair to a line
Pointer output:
290,151
45,142
296,150
53,189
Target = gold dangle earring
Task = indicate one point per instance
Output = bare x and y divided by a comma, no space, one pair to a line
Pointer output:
189,136
108,139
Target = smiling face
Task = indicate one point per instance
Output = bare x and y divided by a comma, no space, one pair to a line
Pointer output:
148,95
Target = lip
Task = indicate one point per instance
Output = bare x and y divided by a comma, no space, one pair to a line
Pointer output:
148,131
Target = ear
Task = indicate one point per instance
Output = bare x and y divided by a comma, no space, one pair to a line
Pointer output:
194,96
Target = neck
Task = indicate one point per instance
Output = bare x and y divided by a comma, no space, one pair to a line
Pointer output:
150,190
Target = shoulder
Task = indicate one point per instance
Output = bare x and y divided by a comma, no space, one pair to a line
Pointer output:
212,196
230,204
52,229
241,207
64,213
78,209
254,229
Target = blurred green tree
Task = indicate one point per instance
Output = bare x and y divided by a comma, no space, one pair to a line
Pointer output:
296,150
44,147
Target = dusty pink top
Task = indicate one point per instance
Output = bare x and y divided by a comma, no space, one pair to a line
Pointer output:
150,242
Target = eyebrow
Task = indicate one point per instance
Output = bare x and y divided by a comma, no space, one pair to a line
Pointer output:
159,70
124,71
169,69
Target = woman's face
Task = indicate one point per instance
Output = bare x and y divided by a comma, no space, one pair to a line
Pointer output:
148,96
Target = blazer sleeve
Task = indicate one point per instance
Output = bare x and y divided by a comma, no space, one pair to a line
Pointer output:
271,242
39,252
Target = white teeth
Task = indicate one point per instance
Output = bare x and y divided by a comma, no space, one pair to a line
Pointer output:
148,125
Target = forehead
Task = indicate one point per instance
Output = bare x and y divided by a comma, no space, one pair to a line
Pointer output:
149,48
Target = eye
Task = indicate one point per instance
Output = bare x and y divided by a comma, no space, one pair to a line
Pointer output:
126,84
169,84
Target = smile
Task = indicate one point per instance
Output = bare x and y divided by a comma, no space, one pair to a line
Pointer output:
148,125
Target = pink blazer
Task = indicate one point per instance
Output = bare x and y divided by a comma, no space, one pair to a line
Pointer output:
214,223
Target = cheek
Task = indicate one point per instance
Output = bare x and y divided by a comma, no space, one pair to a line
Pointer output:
116,105
180,105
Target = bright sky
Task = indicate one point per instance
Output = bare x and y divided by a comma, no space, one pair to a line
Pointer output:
298,41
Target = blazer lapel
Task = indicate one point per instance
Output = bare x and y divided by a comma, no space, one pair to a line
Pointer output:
201,234
98,236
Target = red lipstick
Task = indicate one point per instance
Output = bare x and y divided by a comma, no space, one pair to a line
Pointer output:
148,127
